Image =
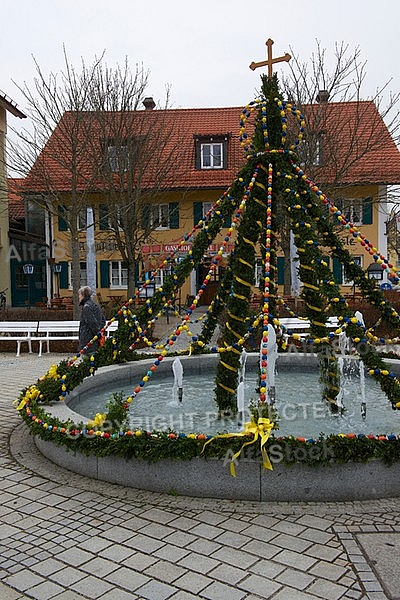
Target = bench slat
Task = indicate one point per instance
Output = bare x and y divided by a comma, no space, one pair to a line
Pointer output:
18,331
52,331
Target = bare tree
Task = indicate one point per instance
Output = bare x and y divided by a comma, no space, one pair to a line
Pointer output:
52,157
141,151
335,141
79,118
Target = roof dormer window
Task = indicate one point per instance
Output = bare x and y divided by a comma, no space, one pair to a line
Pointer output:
211,152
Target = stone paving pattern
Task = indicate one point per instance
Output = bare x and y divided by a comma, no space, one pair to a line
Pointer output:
65,537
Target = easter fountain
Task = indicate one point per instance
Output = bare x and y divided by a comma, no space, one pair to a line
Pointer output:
202,464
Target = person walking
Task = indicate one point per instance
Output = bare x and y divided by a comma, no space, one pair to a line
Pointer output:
92,319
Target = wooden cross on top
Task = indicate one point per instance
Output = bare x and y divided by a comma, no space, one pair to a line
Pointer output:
270,61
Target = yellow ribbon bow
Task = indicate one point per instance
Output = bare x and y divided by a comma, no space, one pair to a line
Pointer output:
98,420
31,394
260,429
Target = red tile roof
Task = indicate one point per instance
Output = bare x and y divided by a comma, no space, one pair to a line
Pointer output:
361,127
16,208
358,142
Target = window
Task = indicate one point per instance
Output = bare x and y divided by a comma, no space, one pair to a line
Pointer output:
160,216
211,156
200,209
353,211
123,154
316,153
310,151
82,275
211,152
82,219
118,274
35,219
106,215
358,261
118,158
356,210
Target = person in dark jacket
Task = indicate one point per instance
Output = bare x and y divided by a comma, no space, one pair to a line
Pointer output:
92,319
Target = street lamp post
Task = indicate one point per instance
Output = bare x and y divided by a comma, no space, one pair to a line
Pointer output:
375,271
57,270
28,271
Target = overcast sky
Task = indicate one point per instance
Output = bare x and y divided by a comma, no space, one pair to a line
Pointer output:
202,49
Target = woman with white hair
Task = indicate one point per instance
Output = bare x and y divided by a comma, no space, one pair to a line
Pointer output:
92,319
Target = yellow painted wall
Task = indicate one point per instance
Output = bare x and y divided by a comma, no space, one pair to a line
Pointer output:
106,248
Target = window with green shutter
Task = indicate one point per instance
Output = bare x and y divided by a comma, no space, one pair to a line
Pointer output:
146,216
281,270
104,274
367,206
174,215
103,217
197,212
62,223
63,275
337,271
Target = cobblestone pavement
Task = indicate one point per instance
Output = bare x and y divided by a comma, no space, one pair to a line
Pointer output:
65,537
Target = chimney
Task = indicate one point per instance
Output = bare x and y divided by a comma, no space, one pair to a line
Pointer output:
322,96
149,103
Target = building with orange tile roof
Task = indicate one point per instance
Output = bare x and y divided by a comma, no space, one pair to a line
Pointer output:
354,159
6,106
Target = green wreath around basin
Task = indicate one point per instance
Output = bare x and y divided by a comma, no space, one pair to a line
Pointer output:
95,439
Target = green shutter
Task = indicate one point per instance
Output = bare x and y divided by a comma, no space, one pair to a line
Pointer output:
337,271
64,275
62,224
104,274
103,216
137,280
146,213
225,154
281,270
174,215
197,212
367,211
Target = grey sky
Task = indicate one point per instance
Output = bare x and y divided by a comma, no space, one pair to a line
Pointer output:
202,49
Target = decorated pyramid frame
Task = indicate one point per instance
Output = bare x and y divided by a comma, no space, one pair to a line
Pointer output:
270,184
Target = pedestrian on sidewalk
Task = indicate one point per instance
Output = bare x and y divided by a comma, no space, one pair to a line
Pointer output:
92,319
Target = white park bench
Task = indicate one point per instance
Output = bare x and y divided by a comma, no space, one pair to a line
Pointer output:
302,326
66,331
19,332
55,331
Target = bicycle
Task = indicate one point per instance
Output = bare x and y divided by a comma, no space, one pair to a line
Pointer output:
3,299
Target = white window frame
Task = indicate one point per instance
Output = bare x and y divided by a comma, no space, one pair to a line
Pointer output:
82,274
207,206
159,213
211,159
353,210
81,220
118,275
115,155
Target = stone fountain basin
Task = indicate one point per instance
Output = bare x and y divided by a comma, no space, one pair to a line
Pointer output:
210,478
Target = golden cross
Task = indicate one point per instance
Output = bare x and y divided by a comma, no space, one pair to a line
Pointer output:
270,61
